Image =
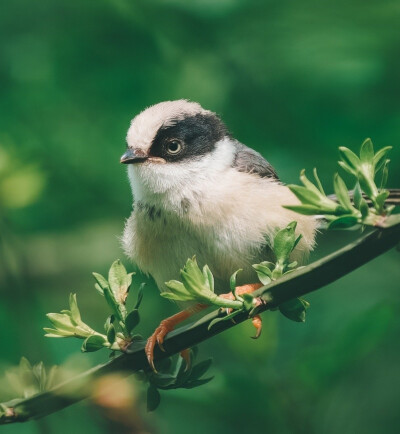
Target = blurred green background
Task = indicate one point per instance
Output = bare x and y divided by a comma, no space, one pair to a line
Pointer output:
291,79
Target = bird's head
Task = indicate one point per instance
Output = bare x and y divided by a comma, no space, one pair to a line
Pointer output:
175,143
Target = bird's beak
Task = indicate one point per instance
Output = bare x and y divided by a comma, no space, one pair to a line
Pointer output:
133,156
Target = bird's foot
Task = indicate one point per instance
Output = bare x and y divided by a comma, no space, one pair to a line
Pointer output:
257,323
166,326
247,289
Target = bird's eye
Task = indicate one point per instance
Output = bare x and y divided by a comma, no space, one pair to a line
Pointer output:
174,147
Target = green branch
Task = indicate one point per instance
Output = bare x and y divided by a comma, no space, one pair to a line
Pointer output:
295,284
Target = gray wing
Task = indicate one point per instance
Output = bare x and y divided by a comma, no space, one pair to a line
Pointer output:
250,161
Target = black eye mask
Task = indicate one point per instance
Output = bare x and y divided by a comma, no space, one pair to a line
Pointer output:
198,135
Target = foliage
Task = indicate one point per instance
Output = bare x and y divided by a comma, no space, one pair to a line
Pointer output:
198,285
26,380
306,76
285,242
174,376
344,212
310,278
118,327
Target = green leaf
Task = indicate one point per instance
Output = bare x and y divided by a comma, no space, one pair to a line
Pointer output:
264,267
357,196
308,184
364,208
264,273
319,185
119,281
153,398
111,334
101,283
24,364
305,195
381,198
224,318
113,304
200,369
248,302
350,159
73,305
56,333
232,282
109,321
196,284
284,242
347,168
140,295
178,291
61,321
93,343
163,381
197,383
345,221
52,377
367,184
175,297
40,375
341,192
367,152
194,280
132,320
295,309
385,174
379,157
297,240
209,278
99,289
305,209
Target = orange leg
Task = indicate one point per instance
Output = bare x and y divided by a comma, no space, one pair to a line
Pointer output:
247,289
166,326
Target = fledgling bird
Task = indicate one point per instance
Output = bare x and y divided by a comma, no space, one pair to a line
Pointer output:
199,191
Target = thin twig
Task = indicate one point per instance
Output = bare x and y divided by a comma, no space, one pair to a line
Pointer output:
303,281
393,199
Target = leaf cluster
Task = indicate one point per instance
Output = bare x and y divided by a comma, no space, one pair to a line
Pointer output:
346,212
170,375
118,327
23,381
285,241
197,285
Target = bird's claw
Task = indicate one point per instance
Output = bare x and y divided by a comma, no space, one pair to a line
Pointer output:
257,323
166,326
186,356
256,319
156,338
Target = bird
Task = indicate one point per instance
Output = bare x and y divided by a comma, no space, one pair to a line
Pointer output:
199,191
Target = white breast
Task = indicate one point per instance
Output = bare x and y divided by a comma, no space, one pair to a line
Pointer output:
208,209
